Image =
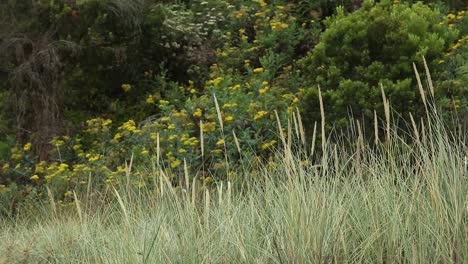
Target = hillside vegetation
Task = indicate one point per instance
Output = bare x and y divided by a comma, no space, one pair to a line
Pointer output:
233,131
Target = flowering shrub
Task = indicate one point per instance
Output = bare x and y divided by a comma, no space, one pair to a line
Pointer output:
229,117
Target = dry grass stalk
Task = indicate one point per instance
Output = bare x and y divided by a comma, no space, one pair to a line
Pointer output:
420,87
201,140
218,111
301,127
376,128
322,115
415,128
429,78
386,104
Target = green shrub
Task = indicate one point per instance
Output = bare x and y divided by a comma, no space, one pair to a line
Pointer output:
375,45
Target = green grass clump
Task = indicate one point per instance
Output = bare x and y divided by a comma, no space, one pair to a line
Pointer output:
388,202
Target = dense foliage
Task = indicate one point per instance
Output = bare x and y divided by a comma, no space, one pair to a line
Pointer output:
377,46
88,86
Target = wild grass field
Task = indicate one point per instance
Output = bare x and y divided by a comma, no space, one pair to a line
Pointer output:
400,200
217,131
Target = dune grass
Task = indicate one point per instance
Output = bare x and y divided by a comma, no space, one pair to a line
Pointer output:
390,202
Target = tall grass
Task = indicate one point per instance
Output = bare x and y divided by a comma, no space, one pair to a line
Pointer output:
402,199
390,203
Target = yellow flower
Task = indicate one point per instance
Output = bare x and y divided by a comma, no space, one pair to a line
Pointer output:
144,152
277,25
150,100
192,91
228,105
216,81
220,142
68,193
106,122
27,147
128,126
35,177
163,102
216,151
175,163
228,118
182,151
165,118
39,167
117,136
263,90
63,166
171,126
451,16
235,87
172,137
258,70
193,141
265,83
126,87
209,127
295,100
92,157
260,114
198,113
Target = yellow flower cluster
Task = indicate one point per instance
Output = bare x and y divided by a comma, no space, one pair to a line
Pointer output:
57,142
198,113
189,141
16,154
260,114
277,25
163,103
150,99
228,105
53,170
209,127
27,147
235,87
216,81
98,125
181,113
40,167
128,126
126,87
93,157
228,118
263,90
258,70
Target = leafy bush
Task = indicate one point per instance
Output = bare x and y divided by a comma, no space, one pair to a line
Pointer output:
373,46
